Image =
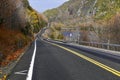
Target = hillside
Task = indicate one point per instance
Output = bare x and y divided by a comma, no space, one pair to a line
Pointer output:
100,9
97,20
18,23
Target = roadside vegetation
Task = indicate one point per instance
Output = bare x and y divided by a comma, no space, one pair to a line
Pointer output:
17,28
55,31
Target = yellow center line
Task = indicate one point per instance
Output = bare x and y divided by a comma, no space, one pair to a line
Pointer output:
105,67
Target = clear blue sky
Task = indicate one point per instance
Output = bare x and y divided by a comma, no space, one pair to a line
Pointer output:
42,5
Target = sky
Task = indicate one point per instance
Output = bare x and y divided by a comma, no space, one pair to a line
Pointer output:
42,5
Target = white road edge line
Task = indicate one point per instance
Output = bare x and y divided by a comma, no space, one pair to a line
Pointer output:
30,72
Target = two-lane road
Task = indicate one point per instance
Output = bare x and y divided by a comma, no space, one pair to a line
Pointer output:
54,62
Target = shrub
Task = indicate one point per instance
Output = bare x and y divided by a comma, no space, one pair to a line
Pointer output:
10,42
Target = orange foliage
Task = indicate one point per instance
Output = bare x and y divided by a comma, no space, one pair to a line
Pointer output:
10,42
12,57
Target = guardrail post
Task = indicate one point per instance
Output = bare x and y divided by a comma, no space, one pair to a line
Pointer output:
108,47
115,47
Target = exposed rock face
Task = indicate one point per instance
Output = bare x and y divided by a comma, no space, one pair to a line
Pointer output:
95,18
97,9
72,9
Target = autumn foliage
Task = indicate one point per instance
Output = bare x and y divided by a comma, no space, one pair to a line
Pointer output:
18,24
114,29
11,41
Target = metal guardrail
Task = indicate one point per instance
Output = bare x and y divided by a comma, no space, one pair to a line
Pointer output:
115,47
108,46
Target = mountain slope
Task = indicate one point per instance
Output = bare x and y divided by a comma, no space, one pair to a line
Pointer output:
93,17
82,8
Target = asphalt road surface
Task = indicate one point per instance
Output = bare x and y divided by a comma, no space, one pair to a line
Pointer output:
55,62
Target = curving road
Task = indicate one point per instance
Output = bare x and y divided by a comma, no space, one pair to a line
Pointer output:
60,62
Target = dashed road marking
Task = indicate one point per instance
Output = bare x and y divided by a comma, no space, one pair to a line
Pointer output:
24,72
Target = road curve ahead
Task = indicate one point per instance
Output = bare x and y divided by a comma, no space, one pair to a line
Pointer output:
53,62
